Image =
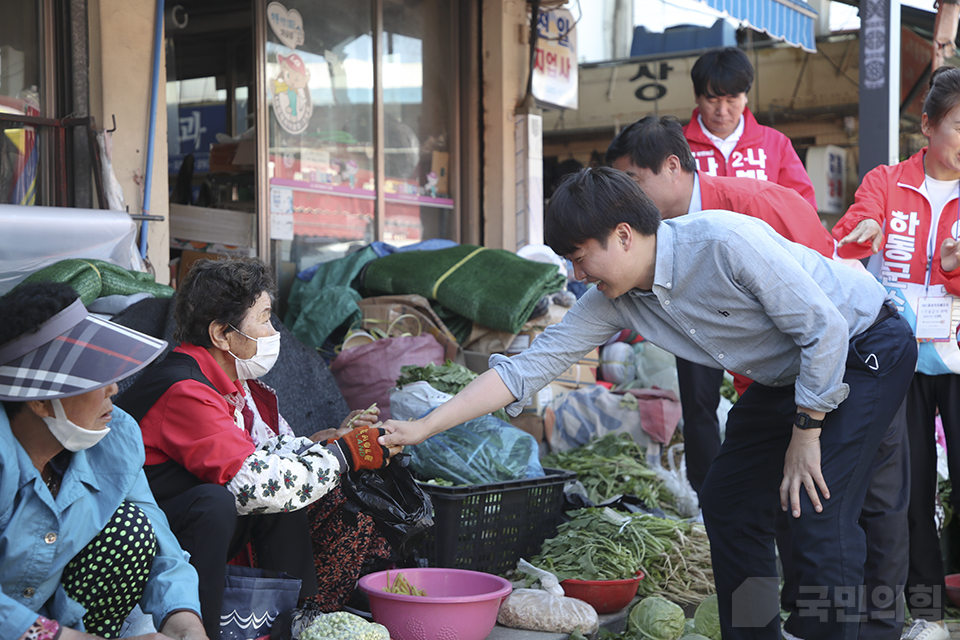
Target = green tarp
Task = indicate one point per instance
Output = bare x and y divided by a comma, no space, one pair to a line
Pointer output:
94,279
492,287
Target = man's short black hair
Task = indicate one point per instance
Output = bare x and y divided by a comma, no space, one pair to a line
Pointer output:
722,72
589,204
218,291
648,143
24,309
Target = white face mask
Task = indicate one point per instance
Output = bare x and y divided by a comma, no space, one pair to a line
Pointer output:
73,437
268,350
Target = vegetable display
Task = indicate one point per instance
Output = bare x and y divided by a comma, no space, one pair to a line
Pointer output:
603,544
400,585
706,620
655,618
341,625
614,465
448,377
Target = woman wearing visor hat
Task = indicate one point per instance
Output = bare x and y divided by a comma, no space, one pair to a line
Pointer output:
82,540
224,465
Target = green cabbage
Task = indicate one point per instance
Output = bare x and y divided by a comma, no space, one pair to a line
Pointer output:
655,618
707,619
687,628
694,636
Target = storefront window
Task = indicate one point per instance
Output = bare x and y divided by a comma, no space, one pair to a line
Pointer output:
322,173
417,103
320,97
20,67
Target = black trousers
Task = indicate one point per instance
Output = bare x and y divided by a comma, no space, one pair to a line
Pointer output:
828,549
699,399
204,519
884,523
926,593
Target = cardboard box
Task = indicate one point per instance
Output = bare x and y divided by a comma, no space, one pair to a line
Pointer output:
476,361
530,423
582,374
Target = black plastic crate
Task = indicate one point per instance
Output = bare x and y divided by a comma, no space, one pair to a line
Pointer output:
488,527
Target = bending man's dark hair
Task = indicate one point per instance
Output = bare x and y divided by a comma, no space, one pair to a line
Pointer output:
24,309
648,143
944,94
218,291
722,72
590,203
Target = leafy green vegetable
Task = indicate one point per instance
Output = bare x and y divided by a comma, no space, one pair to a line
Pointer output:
448,377
576,635
707,618
603,544
694,636
655,618
614,465
688,625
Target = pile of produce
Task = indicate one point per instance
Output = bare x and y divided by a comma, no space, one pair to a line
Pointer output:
614,465
656,618
341,625
402,586
602,544
448,377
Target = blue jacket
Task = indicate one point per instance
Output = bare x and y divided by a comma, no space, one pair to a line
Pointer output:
97,481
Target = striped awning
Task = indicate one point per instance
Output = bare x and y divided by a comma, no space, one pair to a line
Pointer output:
790,21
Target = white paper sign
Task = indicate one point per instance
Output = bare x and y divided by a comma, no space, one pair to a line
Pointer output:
556,79
933,318
281,213
287,25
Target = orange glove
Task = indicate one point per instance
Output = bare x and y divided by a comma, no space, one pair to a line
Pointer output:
361,449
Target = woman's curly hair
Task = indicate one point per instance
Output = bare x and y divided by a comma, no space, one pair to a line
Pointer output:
218,291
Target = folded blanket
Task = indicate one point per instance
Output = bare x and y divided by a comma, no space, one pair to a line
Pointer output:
94,279
492,287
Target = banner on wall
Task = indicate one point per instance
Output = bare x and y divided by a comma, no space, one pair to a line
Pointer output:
555,75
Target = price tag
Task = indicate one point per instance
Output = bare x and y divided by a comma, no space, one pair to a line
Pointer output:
934,316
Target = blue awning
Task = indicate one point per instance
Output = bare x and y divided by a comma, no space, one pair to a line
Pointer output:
791,21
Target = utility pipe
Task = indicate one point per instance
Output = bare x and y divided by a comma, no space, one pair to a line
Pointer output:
151,134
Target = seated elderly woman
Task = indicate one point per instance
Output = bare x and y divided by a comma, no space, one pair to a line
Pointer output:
82,540
225,466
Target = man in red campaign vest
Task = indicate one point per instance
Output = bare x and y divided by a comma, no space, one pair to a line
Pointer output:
726,139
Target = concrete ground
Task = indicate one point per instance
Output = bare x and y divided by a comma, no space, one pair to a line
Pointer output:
615,622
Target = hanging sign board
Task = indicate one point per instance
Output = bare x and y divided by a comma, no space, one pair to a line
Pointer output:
555,75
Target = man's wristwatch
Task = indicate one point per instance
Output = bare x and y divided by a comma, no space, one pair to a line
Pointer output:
804,421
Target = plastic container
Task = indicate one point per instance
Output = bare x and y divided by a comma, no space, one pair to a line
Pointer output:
606,596
489,527
953,588
459,605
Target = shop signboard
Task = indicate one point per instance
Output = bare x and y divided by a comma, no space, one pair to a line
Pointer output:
555,75
197,125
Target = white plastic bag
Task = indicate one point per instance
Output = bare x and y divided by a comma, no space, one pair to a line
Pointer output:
413,400
546,609
675,481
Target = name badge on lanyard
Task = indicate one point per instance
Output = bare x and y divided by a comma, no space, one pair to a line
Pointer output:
935,321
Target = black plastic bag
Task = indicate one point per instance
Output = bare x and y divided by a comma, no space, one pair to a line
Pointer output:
401,509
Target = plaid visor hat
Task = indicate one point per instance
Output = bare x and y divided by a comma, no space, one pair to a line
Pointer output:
72,353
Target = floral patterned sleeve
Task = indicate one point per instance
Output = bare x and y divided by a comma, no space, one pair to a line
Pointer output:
42,629
284,474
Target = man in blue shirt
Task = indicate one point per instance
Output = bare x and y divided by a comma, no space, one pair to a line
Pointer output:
830,359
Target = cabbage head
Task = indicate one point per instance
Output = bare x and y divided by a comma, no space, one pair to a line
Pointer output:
694,636
655,618
688,628
707,619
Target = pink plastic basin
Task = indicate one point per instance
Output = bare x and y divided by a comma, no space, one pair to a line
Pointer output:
459,605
